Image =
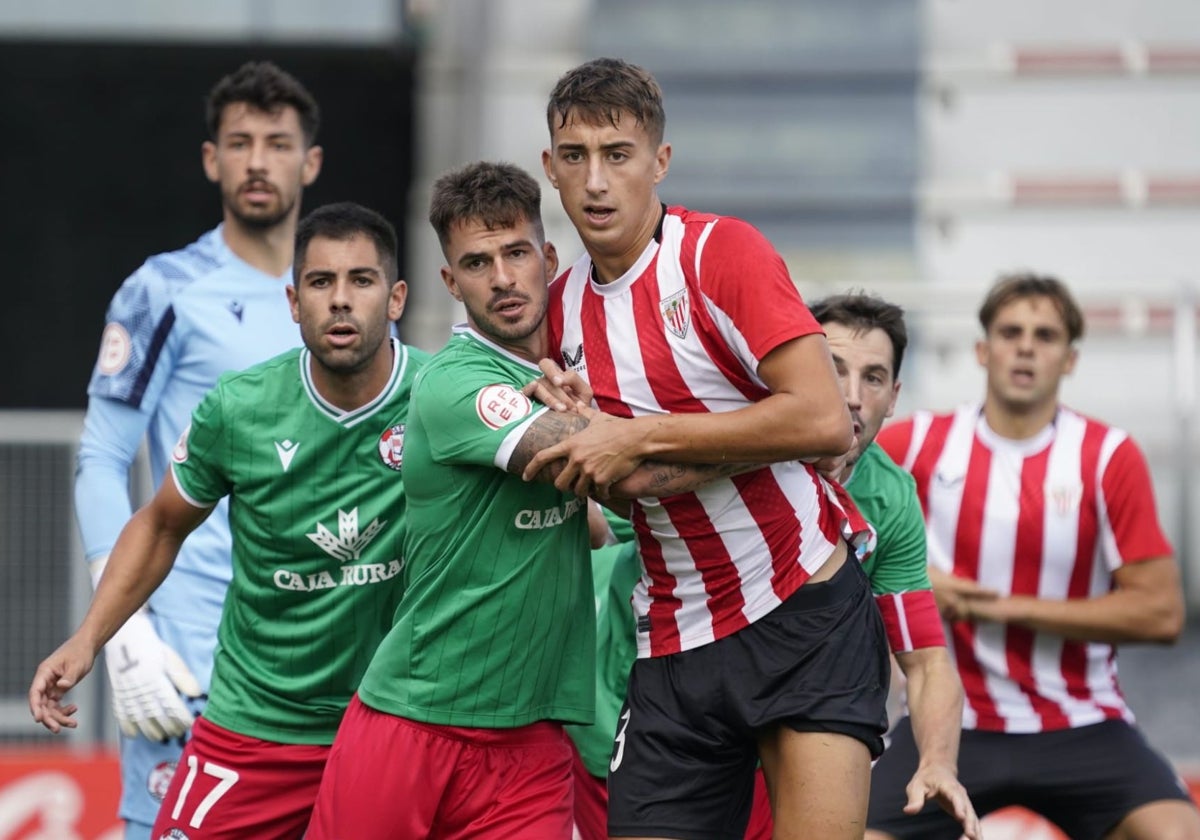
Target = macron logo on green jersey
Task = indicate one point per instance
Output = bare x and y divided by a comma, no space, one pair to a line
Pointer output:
287,451
349,543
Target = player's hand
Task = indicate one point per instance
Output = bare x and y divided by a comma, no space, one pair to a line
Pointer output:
939,783
147,679
59,673
834,467
558,389
957,596
594,458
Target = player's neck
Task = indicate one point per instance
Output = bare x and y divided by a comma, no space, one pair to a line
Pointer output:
349,391
269,250
608,266
1018,425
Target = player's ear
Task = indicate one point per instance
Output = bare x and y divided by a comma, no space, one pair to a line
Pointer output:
550,255
396,300
313,158
293,302
1072,358
981,352
208,159
546,161
451,285
895,395
662,162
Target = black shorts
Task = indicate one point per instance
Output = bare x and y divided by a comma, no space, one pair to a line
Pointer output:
686,746
1085,780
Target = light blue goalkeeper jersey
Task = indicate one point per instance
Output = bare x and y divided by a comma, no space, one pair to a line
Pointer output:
175,325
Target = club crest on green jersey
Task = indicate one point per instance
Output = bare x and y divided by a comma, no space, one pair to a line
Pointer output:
391,446
499,405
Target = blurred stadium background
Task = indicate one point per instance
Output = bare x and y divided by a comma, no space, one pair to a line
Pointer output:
914,148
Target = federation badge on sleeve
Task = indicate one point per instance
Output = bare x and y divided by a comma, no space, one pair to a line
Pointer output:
391,446
115,349
180,452
499,405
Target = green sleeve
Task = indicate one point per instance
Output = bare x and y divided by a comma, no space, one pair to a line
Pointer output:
900,557
467,414
200,459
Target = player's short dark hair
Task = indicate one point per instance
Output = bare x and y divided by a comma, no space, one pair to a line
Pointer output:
1026,284
860,311
345,220
264,87
497,195
598,91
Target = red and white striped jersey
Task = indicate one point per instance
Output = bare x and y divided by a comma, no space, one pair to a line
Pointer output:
1051,517
684,331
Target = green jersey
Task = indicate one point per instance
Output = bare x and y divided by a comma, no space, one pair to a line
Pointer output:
496,628
887,498
615,571
316,509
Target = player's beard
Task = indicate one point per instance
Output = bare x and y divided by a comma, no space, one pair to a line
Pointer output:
260,218
349,360
503,331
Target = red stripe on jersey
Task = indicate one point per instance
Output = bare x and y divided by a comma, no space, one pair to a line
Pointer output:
1073,660
911,620
966,564
667,384
1129,499
766,501
724,359
601,372
664,630
1027,566
712,561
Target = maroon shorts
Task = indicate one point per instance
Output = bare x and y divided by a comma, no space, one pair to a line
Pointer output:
392,777
230,786
761,826
591,801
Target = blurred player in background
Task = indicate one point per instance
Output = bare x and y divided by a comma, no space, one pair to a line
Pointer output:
689,330
307,447
867,337
1045,552
175,325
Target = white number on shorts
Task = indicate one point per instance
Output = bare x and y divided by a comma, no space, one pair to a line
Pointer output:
228,779
619,752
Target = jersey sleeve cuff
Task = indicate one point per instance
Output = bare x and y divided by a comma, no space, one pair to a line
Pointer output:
911,620
187,497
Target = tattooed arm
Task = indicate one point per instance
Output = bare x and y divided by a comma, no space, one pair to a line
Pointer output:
650,478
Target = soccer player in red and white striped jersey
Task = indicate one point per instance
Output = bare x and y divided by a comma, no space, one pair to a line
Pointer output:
1045,550
699,349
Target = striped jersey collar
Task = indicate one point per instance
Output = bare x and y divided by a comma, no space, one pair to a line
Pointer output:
352,418
465,331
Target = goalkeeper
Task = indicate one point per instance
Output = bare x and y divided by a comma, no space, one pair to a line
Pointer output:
175,325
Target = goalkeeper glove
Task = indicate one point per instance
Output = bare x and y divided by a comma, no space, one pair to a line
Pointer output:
147,678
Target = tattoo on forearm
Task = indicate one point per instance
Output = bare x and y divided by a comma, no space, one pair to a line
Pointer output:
684,478
549,429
